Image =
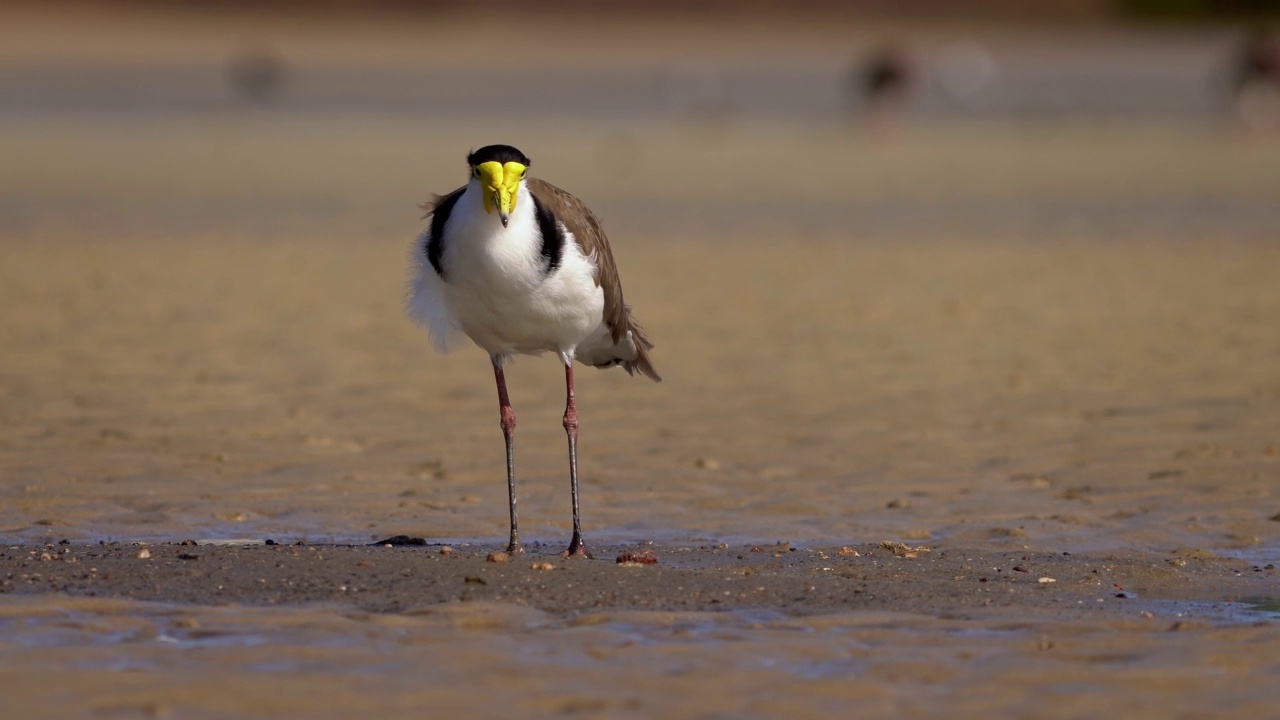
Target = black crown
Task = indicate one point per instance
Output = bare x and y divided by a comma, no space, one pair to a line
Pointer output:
501,154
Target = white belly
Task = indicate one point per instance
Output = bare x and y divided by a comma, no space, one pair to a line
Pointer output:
507,315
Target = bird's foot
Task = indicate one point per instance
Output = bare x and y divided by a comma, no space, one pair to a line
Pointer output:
514,548
577,548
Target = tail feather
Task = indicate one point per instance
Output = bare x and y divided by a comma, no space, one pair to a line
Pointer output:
642,364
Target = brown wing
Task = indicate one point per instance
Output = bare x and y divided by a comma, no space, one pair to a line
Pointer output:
436,201
588,232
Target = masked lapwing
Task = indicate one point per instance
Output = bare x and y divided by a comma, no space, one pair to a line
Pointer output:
522,267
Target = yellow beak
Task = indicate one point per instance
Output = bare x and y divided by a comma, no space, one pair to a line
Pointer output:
500,186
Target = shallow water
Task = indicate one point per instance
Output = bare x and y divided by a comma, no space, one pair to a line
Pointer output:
145,660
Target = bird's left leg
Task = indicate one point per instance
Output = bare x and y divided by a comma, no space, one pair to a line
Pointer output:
576,546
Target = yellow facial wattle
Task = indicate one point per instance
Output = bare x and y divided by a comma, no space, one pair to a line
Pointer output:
500,185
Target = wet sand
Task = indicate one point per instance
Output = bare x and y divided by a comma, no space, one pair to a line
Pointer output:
709,631
1022,352
889,576
1067,394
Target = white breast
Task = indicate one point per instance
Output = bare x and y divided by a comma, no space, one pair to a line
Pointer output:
496,289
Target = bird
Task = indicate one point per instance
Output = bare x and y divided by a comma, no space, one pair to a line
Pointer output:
1257,61
520,266
1255,81
883,83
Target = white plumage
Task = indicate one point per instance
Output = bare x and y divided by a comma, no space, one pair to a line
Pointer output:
498,291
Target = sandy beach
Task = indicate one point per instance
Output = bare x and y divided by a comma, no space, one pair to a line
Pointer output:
897,396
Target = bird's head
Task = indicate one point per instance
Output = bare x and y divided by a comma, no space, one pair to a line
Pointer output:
499,169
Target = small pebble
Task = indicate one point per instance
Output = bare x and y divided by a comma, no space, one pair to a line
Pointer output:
638,559
903,550
542,566
497,557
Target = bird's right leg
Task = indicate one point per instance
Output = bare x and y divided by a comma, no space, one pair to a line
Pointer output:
508,433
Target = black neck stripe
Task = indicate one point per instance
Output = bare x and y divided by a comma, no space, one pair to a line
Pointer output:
552,232
435,238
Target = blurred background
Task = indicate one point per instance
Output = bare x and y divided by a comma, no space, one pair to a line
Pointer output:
187,109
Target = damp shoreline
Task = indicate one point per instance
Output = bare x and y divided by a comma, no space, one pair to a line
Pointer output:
899,577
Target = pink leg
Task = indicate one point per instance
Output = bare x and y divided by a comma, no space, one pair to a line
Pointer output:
576,546
508,433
